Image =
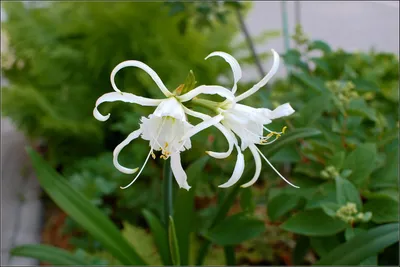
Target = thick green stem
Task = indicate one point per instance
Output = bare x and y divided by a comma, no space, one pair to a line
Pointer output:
168,193
230,258
208,104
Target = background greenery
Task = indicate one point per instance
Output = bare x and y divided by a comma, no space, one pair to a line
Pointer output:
341,146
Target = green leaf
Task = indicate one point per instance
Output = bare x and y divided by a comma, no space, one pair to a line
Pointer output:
83,212
383,209
157,229
289,138
337,160
319,45
143,242
313,223
301,249
351,232
190,83
280,205
310,82
235,230
371,261
323,245
347,192
362,162
313,109
246,200
184,210
293,57
362,246
358,107
173,243
330,208
325,193
52,255
387,176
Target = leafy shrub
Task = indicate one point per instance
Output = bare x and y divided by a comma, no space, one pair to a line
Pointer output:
349,174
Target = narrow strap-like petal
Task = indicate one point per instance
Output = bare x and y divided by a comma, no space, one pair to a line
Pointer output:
281,111
232,141
125,97
237,172
230,137
118,149
177,170
264,80
208,90
236,70
280,175
202,125
257,160
146,68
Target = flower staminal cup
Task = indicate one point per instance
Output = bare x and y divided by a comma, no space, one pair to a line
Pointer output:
248,122
167,129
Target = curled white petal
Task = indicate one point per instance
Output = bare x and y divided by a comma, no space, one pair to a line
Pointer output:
258,163
236,70
146,68
227,133
237,172
281,111
230,137
170,107
280,175
179,173
202,125
209,90
196,114
118,149
263,81
125,97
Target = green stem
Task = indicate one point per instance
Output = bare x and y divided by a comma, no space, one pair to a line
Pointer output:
221,213
230,258
211,105
168,193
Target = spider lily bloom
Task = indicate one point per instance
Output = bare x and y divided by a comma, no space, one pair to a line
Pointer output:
248,122
167,129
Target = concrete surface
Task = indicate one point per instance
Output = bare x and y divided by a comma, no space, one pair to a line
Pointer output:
351,25
20,204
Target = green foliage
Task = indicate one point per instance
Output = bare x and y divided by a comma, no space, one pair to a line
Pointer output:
349,171
83,212
67,60
342,142
235,230
48,254
362,246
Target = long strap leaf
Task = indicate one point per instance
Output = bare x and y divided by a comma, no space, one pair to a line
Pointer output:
52,255
79,208
362,246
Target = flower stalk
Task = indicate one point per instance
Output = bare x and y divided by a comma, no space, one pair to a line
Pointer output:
168,192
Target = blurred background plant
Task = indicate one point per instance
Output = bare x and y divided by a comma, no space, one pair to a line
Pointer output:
341,146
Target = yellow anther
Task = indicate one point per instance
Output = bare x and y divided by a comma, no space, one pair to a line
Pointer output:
166,144
284,129
153,155
269,135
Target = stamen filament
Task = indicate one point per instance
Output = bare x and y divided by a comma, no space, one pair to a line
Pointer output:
269,163
141,169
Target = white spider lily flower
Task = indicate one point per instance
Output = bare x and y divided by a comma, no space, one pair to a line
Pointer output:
248,122
167,129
